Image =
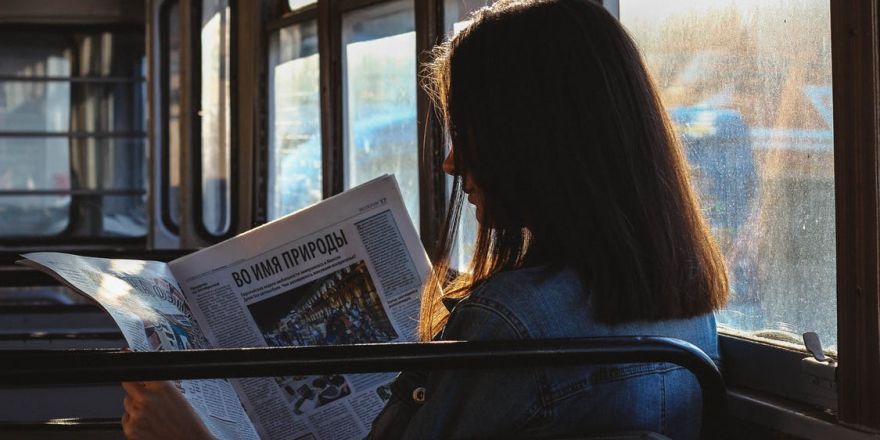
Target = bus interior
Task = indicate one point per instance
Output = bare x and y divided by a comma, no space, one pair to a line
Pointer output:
148,129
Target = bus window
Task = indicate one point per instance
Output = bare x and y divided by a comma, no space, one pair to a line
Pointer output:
379,97
751,100
294,119
216,166
72,134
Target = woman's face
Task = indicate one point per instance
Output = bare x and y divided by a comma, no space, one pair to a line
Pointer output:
474,196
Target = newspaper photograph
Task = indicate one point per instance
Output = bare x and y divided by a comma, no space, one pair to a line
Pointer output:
345,271
342,307
147,304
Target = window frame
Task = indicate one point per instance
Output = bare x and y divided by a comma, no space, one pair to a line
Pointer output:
855,40
195,122
107,24
163,148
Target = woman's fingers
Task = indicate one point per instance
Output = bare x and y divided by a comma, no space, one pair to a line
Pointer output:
157,410
161,386
134,389
127,425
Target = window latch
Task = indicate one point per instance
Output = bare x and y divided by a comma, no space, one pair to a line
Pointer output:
814,346
818,374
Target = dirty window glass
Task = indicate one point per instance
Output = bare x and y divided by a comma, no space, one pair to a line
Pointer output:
751,100
294,120
379,92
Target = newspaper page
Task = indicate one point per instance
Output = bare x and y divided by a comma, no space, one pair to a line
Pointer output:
345,271
147,304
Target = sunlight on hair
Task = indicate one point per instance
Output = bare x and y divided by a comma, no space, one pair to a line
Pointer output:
459,26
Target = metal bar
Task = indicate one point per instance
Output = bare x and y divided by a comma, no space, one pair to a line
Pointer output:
432,181
67,426
190,121
10,257
78,134
260,190
44,367
70,242
330,60
72,192
74,79
161,130
57,336
57,310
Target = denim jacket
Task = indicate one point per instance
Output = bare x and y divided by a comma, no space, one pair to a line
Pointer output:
532,303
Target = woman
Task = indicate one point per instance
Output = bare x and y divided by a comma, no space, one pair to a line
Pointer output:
588,226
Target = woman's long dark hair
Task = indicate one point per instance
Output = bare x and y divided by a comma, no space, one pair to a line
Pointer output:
553,116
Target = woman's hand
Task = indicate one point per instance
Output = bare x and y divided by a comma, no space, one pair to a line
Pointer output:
157,410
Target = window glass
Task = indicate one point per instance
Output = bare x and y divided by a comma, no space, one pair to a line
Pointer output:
379,90
297,4
294,120
35,106
32,165
72,134
751,100
215,116
456,14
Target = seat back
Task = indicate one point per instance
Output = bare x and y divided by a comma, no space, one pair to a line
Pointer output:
36,367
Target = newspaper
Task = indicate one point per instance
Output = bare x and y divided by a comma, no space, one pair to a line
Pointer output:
347,270
147,304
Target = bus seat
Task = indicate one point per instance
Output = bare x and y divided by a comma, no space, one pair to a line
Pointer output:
46,367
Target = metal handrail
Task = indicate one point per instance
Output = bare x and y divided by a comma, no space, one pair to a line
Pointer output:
43,367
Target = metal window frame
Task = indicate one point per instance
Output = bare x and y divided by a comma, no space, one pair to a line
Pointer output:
163,174
195,126
855,54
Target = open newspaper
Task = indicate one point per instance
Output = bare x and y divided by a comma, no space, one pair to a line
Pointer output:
344,271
